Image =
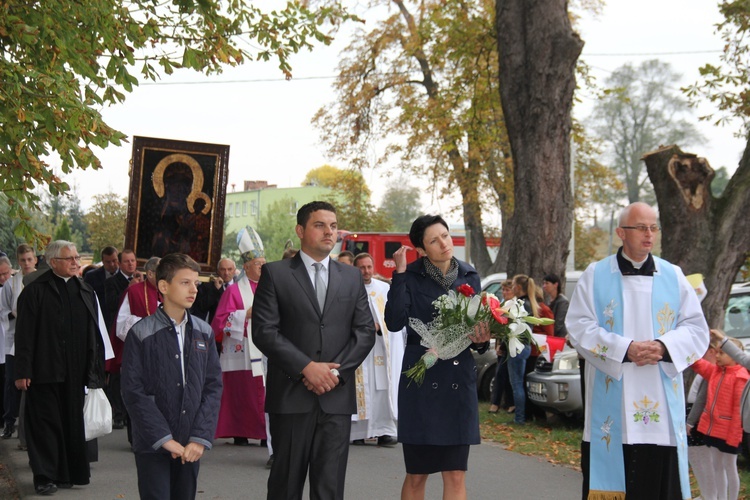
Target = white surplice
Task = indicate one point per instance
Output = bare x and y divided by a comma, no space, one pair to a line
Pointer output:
643,391
377,378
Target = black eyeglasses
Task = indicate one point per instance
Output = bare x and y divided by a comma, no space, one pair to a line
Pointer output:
643,228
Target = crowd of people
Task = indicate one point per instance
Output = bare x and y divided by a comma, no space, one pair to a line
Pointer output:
306,356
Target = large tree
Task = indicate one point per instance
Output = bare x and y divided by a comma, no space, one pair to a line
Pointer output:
276,227
351,197
400,204
703,233
60,62
106,222
638,112
420,88
538,53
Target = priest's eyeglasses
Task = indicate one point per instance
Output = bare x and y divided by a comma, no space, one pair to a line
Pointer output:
76,258
643,228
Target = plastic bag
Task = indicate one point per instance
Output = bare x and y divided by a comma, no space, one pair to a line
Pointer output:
97,414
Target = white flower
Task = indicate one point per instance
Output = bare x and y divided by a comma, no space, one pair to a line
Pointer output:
517,328
473,308
515,309
609,310
515,346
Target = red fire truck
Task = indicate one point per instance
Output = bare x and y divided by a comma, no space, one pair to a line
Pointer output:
382,246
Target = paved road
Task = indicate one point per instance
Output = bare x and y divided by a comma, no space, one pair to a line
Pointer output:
374,473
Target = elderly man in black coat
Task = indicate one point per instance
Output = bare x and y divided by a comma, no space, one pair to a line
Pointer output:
58,353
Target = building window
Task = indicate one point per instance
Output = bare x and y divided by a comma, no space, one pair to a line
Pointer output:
237,209
244,208
293,208
253,208
229,209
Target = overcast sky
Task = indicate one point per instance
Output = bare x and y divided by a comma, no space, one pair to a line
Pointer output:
266,120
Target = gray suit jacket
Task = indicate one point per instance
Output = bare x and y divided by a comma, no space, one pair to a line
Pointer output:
289,328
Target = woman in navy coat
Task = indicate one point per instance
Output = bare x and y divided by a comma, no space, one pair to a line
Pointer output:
438,419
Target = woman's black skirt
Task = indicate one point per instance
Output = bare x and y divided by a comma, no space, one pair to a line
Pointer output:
428,459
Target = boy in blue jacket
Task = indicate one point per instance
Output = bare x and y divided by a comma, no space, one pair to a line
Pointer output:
171,386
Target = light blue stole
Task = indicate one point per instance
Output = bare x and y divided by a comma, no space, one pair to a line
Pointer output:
607,469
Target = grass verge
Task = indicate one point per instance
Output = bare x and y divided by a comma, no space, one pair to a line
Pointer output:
558,440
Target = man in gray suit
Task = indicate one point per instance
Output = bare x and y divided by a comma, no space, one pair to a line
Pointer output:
312,320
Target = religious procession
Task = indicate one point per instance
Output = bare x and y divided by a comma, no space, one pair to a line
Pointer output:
461,250
311,353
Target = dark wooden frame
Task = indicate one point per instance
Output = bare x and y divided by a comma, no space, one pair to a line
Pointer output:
157,224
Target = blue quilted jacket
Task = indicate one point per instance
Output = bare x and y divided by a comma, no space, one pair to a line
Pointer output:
160,406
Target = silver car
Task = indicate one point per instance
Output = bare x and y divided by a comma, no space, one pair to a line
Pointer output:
556,386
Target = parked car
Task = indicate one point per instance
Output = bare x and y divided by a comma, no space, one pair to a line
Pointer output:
486,367
493,282
487,361
556,386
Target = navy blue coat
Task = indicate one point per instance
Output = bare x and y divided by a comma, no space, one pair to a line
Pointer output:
160,406
444,410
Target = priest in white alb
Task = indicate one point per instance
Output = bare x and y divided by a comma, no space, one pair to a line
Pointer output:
241,415
638,323
377,378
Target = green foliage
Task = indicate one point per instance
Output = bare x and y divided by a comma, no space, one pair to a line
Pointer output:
8,239
63,231
720,181
587,240
63,61
425,85
106,221
78,226
725,84
229,248
596,184
636,114
276,227
400,205
351,197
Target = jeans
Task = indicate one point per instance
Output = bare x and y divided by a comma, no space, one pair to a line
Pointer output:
516,368
502,387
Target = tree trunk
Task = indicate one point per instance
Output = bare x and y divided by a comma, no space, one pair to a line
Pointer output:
702,233
538,54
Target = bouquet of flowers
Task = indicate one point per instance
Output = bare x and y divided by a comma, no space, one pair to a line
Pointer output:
511,324
459,311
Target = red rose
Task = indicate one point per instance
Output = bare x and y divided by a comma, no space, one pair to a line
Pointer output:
465,290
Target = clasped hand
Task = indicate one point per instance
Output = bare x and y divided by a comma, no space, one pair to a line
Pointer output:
190,453
646,352
318,377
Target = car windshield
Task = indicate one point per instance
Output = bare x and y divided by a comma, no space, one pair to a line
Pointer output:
737,316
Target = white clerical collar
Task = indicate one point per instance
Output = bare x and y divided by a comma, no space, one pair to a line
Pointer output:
61,277
636,265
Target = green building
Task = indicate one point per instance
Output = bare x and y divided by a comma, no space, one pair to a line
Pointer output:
246,207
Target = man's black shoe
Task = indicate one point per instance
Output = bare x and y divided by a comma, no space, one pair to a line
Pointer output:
358,442
269,464
118,424
45,489
8,431
387,441
241,442
64,486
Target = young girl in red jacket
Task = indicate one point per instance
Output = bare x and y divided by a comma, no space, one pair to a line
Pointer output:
720,422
